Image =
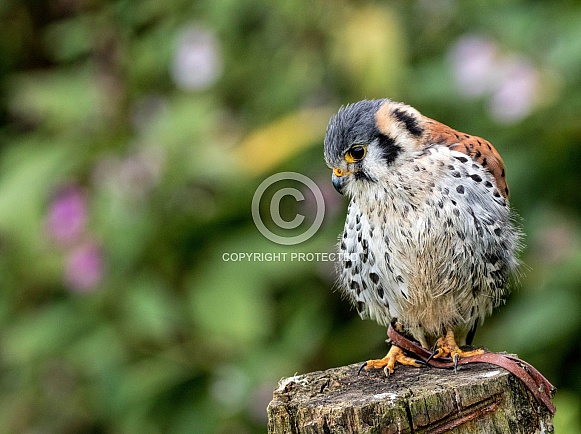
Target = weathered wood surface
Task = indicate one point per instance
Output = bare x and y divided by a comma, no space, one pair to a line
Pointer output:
479,398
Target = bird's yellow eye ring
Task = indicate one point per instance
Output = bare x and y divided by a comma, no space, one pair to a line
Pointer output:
356,153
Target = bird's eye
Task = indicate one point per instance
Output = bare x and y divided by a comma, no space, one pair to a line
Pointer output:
356,153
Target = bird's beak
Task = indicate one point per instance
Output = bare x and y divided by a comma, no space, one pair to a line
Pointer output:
339,179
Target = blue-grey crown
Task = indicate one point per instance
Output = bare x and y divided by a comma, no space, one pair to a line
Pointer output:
354,123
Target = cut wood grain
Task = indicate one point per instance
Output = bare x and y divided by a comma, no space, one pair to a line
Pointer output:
479,398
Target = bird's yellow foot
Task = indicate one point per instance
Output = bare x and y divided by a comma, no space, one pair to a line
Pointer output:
447,347
395,354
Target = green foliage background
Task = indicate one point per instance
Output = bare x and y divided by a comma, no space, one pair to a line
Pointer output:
161,334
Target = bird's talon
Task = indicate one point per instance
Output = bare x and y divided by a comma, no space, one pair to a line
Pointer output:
447,347
394,355
361,368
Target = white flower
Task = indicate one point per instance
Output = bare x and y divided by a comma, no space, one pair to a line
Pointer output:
197,63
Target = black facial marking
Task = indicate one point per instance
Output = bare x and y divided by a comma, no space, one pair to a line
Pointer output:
476,177
388,147
410,122
461,159
374,277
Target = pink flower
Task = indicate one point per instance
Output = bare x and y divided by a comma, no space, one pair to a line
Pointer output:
510,80
474,61
67,215
517,94
84,267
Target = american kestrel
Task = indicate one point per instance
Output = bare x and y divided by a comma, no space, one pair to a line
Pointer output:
430,240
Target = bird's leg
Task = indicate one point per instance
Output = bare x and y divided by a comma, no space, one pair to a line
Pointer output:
395,354
447,346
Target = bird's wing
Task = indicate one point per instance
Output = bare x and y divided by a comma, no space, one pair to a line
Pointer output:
476,148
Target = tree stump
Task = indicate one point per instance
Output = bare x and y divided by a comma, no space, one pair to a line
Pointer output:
478,398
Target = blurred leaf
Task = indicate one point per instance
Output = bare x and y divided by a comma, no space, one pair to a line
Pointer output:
568,417
70,38
125,226
151,54
60,100
228,303
43,333
103,366
144,381
267,147
370,47
151,311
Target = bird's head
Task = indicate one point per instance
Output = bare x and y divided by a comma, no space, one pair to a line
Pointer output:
366,140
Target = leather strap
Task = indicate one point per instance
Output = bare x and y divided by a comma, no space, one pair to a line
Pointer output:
539,386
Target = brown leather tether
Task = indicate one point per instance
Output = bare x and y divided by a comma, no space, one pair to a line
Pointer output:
539,386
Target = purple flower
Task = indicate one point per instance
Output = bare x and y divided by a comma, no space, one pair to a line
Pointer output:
84,267
67,215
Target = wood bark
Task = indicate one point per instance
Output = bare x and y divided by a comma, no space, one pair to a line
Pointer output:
478,398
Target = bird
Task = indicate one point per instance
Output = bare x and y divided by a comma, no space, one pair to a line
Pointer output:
430,242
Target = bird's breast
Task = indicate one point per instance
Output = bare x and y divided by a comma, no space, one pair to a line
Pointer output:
434,232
